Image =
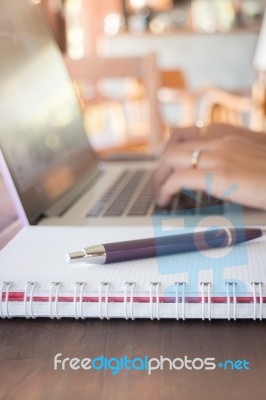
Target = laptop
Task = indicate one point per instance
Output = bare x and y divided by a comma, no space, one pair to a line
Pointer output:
53,174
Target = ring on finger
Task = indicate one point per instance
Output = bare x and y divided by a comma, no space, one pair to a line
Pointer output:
195,158
203,128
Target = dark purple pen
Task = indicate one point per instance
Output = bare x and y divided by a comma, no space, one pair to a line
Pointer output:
161,246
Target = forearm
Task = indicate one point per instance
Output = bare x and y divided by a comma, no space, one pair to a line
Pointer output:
215,131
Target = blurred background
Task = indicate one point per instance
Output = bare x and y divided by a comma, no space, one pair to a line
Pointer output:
203,67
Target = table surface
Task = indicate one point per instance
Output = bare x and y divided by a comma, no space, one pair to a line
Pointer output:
28,347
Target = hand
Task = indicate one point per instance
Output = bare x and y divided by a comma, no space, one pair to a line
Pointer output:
214,131
231,159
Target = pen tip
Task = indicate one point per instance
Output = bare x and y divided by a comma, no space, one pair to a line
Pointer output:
77,256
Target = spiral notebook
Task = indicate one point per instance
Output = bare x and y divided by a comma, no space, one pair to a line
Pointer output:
36,280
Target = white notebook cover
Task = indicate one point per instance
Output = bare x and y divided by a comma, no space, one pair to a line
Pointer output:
37,281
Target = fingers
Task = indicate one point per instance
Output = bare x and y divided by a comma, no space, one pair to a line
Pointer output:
175,170
231,158
180,156
192,133
213,131
184,134
192,178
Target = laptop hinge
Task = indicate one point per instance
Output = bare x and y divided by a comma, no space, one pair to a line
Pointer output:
67,200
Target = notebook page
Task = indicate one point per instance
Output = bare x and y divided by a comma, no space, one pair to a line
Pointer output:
37,254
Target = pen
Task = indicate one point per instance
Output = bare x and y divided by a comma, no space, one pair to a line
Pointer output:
154,247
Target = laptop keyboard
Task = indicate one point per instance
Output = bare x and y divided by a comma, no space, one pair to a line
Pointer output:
132,194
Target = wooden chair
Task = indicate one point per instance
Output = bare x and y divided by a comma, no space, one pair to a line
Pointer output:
144,76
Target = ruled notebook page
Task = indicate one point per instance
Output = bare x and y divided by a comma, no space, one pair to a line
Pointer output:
38,254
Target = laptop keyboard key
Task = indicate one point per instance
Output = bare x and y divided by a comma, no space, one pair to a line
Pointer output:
120,203
143,200
210,205
100,205
187,203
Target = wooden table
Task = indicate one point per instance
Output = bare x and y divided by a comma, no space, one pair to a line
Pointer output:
28,347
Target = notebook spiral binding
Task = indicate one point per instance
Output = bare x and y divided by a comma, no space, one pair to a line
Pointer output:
107,286
203,286
31,286
231,285
6,286
154,286
254,286
54,289
80,286
128,300
128,285
177,287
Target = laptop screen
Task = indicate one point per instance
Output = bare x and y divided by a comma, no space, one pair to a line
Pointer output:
42,136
